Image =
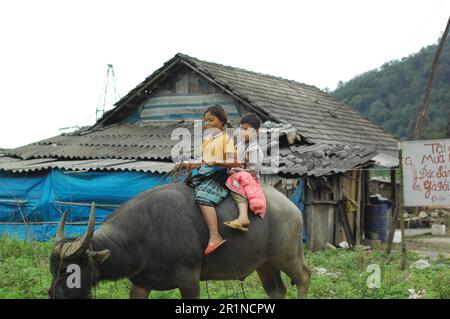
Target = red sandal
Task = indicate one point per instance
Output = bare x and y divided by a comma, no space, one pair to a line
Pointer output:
212,247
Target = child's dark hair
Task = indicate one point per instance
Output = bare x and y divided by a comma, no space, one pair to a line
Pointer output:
252,120
220,113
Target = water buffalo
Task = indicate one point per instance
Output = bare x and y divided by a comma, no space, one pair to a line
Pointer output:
157,238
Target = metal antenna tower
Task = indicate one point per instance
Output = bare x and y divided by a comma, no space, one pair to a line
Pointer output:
109,93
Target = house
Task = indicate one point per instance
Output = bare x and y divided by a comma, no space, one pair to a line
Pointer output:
323,148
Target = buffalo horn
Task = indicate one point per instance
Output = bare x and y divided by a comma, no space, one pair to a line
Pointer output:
81,244
60,232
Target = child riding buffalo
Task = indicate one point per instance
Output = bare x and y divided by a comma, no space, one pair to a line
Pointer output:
244,181
218,154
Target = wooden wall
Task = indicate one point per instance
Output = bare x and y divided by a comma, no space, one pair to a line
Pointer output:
184,96
322,222
350,184
320,205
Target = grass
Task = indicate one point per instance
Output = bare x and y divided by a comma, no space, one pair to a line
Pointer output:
24,273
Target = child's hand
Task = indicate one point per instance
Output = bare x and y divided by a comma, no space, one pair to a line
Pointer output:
236,169
212,163
187,166
194,165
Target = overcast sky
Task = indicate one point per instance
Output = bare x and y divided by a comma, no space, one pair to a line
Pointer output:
54,54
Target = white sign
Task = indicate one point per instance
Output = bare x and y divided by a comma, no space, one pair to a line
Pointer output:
426,173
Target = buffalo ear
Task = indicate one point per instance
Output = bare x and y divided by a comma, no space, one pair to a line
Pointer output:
99,257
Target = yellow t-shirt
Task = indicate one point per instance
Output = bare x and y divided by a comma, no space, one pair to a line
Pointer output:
214,148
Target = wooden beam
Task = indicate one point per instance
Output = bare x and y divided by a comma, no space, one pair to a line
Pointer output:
358,210
364,196
366,187
17,201
47,223
329,202
59,202
395,212
392,228
343,218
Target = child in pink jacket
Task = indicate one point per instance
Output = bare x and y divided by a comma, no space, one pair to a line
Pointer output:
244,181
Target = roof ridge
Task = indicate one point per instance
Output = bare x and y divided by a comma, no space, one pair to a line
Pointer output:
190,58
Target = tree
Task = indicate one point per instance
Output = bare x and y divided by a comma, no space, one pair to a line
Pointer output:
391,96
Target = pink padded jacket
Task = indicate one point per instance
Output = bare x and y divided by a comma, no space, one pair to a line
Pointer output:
246,185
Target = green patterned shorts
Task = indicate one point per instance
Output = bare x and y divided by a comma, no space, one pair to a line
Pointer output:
210,193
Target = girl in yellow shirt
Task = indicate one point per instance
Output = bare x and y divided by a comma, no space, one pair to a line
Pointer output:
208,180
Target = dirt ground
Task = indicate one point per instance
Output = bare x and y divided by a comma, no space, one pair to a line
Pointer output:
421,241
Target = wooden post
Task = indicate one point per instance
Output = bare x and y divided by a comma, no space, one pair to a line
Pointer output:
365,196
393,190
358,212
401,211
395,212
344,220
366,187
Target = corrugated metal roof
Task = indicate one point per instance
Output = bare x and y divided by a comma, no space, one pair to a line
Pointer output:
15,165
147,148
320,160
119,141
81,151
386,160
306,160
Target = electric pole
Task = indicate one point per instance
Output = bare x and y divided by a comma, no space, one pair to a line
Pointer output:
109,93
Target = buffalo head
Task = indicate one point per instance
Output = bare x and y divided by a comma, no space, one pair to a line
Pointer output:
73,265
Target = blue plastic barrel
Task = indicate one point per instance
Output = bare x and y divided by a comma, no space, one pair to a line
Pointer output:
376,220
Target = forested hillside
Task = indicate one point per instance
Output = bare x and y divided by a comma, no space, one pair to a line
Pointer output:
392,95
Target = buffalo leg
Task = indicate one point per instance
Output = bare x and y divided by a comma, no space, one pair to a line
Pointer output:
137,292
299,273
191,291
271,280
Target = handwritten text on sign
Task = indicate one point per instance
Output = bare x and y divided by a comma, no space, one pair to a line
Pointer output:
426,173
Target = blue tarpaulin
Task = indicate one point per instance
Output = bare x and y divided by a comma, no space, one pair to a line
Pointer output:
31,205
297,198
41,198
